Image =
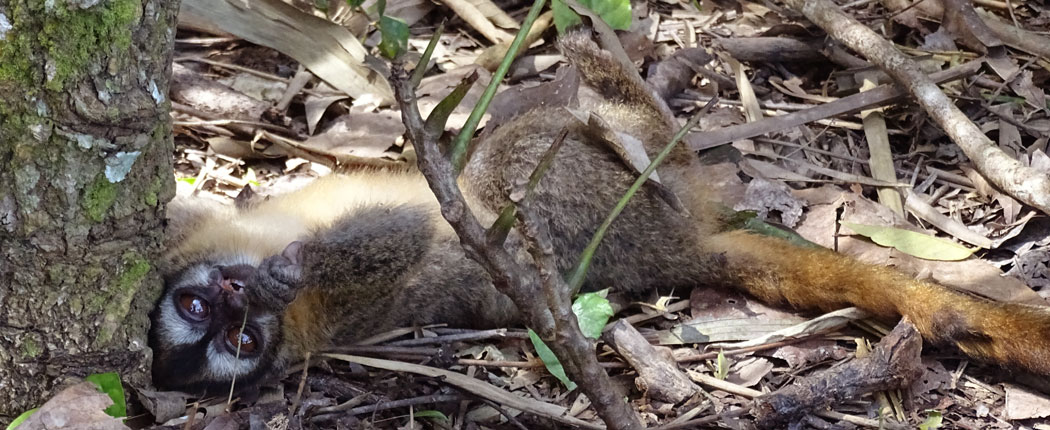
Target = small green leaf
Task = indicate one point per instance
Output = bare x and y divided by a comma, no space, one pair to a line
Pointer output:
380,7
354,4
933,421
189,180
251,178
21,418
109,383
593,312
550,360
564,17
430,414
721,366
616,13
912,243
435,123
754,224
395,36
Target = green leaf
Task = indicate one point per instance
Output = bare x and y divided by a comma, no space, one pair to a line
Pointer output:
593,312
380,7
430,414
188,180
550,360
424,60
616,13
21,418
395,36
933,421
435,123
564,17
749,221
251,178
913,243
109,383
721,366
354,4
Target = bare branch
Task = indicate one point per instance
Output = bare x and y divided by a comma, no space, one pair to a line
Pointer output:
521,284
1022,182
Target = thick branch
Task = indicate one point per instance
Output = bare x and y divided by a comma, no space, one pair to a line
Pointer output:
519,283
893,363
1022,182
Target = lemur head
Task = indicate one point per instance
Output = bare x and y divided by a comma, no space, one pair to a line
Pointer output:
197,338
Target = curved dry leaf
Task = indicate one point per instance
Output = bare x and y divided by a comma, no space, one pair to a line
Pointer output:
913,243
330,51
80,406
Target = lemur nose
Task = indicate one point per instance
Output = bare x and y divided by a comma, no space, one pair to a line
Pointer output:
231,278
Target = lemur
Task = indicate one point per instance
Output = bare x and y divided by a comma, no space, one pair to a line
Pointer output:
355,254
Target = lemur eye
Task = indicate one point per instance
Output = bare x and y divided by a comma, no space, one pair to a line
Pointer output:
195,307
234,334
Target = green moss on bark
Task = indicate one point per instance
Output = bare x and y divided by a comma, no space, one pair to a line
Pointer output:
16,48
98,198
134,269
72,37
30,349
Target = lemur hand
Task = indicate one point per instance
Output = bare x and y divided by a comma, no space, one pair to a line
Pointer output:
282,274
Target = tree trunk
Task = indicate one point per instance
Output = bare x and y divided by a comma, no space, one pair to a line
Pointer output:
85,170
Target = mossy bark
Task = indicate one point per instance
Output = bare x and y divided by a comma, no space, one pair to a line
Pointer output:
85,168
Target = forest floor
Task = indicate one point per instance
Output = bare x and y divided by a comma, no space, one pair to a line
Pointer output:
248,115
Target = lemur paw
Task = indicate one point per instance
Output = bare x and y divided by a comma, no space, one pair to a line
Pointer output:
282,274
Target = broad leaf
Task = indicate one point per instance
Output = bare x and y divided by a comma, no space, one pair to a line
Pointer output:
395,36
593,312
616,13
109,383
550,361
913,243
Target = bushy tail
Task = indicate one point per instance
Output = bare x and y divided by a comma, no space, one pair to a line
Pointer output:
777,272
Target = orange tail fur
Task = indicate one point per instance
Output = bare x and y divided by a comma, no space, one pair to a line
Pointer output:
817,279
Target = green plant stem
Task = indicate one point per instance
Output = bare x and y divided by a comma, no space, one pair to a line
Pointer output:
458,154
421,67
497,234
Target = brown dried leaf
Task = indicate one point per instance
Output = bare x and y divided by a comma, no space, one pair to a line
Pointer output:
316,107
961,20
765,196
330,51
512,102
80,406
1022,404
369,135
749,372
810,352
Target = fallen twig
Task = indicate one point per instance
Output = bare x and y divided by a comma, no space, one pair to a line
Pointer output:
658,373
878,96
1019,181
471,385
892,364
